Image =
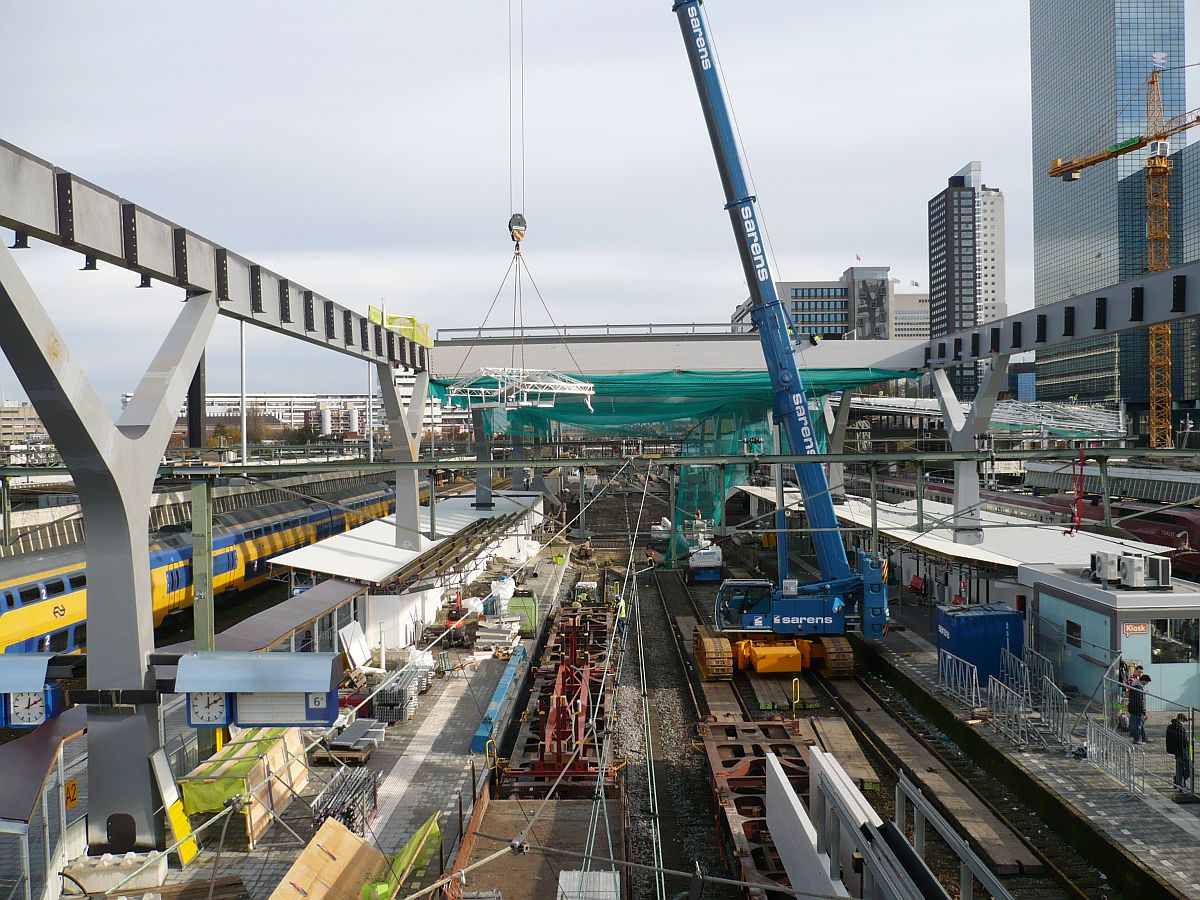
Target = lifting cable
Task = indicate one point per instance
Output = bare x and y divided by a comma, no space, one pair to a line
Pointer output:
517,224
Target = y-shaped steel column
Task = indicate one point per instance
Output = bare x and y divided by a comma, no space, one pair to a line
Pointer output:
113,466
405,425
964,432
835,425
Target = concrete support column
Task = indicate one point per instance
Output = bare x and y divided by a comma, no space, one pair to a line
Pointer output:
964,432
113,465
483,453
404,426
836,423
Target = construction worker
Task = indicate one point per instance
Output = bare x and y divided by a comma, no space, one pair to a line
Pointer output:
650,558
620,617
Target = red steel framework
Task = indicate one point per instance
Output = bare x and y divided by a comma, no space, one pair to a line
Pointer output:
571,691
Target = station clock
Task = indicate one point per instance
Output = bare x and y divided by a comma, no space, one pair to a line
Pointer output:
29,709
209,709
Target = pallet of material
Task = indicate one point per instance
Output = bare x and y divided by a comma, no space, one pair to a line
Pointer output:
347,755
994,841
266,765
835,737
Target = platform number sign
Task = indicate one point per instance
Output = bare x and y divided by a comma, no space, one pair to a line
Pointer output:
71,793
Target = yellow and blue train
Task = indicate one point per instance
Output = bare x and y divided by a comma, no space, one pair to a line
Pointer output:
43,596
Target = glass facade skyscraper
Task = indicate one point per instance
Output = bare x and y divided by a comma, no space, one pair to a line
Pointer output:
1090,60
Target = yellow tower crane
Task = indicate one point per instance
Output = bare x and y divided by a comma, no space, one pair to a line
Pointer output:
1158,232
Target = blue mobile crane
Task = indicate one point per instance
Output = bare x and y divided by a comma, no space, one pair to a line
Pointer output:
790,626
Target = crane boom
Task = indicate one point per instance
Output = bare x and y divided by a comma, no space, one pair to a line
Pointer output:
767,313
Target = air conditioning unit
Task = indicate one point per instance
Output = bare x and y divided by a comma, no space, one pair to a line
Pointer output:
1133,571
1158,571
1105,567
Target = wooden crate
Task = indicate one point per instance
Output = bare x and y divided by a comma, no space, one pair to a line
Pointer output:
266,765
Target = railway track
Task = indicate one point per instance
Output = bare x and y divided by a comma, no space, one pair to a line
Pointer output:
1067,874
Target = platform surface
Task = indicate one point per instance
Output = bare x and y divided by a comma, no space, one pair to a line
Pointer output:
1158,834
562,824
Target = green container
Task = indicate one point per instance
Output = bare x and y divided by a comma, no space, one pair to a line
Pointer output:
526,608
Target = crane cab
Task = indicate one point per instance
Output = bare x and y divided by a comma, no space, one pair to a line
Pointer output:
744,605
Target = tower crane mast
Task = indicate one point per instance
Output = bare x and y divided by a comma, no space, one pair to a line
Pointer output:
1159,131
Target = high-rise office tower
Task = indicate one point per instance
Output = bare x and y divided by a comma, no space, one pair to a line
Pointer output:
966,262
1090,60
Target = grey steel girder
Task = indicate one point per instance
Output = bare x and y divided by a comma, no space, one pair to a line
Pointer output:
404,426
40,200
113,465
964,432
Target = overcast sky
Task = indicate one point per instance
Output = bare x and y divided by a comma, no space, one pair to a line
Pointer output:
361,149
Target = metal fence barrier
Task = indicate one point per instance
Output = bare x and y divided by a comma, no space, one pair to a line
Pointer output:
959,679
1054,710
1115,755
1008,712
1040,667
1015,674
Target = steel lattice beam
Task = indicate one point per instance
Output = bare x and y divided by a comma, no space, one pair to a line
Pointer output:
41,200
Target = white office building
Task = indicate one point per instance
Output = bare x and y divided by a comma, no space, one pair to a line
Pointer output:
329,414
989,255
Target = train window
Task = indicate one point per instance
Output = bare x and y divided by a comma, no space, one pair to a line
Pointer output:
81,634
31,594
78,582
58,641
55,587
9,600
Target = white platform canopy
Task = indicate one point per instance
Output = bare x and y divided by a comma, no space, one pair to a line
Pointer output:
1008,541
369,553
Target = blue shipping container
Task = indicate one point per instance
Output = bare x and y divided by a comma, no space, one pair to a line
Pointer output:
978,634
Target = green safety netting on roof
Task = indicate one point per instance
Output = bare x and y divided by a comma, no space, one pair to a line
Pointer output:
717,412
657,397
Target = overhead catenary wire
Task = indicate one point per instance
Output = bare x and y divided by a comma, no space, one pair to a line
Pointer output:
599,802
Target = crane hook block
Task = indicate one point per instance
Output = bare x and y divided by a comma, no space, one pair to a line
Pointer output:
516,227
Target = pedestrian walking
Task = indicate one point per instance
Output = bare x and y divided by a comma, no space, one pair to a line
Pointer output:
1179,745
620,618
1137,710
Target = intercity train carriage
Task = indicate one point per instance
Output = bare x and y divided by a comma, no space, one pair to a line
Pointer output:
43,596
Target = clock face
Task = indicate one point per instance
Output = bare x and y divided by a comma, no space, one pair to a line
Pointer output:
27,707
208,708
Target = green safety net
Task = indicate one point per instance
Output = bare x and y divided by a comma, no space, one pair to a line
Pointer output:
715,412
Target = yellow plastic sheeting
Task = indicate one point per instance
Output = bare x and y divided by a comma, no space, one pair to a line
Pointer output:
406,326
415,854
180,829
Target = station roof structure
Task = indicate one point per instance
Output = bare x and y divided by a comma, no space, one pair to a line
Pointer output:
1009,541
1059,419
369,554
